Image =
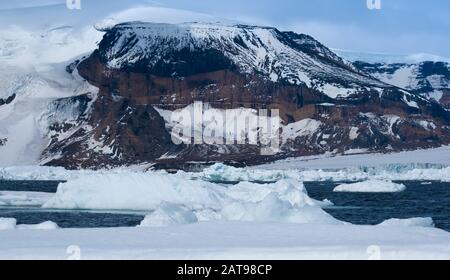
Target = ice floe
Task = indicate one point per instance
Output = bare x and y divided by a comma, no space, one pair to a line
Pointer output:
273,209
11,198
50,173
11,224
397,172
421,165
168,214
133,191
371,186
176,199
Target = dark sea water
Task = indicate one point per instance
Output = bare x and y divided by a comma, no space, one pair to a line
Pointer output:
420,199
64,219
29,186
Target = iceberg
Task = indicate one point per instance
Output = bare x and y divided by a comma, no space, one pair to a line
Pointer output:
289,190
273,209
284,201
178,200
168,214
222,173
371,186
133,191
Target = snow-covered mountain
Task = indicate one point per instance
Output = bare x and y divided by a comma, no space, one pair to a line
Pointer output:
144,71
80,107
424,74
430,79
37,43
175,50
389,58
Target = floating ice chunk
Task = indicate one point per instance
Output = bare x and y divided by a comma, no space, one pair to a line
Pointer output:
11,224
414,222
371,186
301,170
284,201
43,226
35,173
132,191
169,214
50,173
7,223
23,198
273,209
177,200
288,190
222,173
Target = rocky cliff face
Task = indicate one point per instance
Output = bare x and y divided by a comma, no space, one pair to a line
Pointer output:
145,71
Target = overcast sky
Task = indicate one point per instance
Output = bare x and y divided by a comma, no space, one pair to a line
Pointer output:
401,26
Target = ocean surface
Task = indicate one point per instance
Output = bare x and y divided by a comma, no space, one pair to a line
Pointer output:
420,199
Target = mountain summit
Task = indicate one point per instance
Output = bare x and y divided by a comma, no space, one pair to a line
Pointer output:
179,50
